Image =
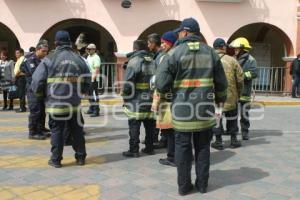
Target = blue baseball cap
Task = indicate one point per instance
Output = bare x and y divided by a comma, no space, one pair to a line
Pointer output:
219,42
190,25
62,37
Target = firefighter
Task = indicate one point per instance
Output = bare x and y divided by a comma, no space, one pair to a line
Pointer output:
37,115
64,76
235,79
242,47
138,98
195,74
162,103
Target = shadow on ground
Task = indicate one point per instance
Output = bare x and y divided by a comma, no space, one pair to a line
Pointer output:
223,178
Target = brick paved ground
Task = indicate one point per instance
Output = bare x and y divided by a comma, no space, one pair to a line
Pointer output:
267,167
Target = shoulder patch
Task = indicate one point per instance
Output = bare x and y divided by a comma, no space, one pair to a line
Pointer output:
193,46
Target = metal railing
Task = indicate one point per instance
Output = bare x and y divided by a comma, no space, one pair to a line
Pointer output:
108,77
269,80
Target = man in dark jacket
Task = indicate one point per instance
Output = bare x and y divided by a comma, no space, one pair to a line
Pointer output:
138,98
64,77
295,73
195,74
248,63
36,105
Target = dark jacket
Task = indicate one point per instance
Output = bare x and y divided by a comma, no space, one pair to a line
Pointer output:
64,77
28,67
249,65
295,68
136,90
196,77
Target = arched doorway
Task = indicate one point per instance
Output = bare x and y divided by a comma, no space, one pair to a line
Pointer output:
94,32
162,27
270,48
8,40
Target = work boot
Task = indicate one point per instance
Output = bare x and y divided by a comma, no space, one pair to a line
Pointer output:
160,145
54,164
89,111
186,191
37,137
11,108
131,154
4,107
80,162
95,114
218,144
202,190
234,142
166,161
148,151
245,135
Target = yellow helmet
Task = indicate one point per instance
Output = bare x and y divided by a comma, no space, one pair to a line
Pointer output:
240,42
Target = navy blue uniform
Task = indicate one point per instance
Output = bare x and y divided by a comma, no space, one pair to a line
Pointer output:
36,105
64,77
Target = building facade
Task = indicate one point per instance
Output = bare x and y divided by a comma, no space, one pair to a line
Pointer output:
272,27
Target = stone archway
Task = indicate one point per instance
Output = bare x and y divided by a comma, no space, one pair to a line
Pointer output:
8,40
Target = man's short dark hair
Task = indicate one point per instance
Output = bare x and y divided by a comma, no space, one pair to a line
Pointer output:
154,38
32,49
20,50
139,45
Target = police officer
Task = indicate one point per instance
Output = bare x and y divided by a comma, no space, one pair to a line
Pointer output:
195,74
64,76
295,73
36,118
138,98
235,79
248,63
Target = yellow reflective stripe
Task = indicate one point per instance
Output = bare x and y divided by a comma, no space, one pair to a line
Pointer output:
63,79
186,83
62,110
248,74
221,94
245,98
194,45
138,115
38,94
142,86
193,125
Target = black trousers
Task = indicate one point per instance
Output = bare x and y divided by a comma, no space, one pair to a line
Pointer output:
184,157
170,135
37,115
58,124
231,124
21,88
134,133
68,139
163,137
5,98
94,97
244,112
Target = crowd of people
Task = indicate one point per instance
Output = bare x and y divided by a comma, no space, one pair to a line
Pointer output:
178,87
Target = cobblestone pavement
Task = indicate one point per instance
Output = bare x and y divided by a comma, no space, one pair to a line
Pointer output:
266,167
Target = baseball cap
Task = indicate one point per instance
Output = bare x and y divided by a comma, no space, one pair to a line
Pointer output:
190,25
219,42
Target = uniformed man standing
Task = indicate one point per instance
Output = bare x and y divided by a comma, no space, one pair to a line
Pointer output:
64,77
36,105
235,79
138,98
248,63
195,74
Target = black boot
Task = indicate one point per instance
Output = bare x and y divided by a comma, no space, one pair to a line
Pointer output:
131,154
245,135
218,144
148,151
234,142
